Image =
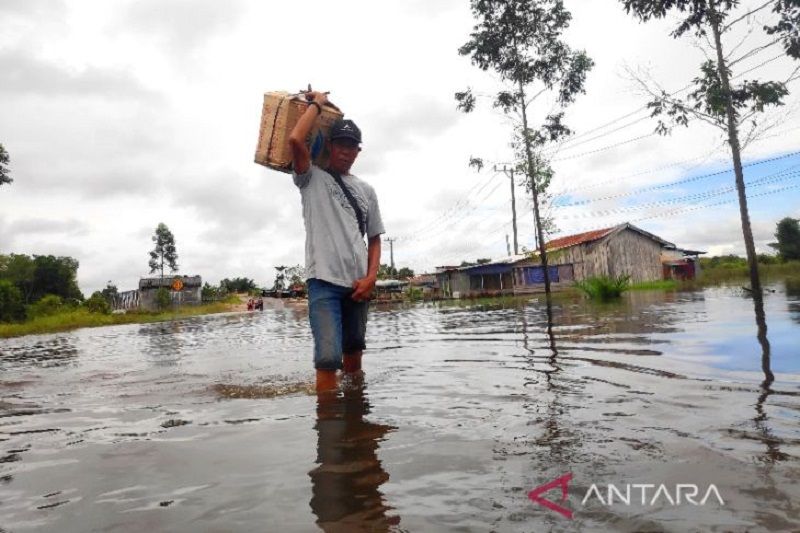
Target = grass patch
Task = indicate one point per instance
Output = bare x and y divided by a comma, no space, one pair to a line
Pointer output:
714,275
661,284
604,288
82,318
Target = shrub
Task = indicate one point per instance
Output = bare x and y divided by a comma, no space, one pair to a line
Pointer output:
49,305
12,308
163,299
97,303
604,288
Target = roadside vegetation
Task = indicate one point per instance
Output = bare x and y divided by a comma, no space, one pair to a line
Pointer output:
604,288
53,316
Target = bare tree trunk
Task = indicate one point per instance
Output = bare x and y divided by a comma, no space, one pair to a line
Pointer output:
532,177
733,140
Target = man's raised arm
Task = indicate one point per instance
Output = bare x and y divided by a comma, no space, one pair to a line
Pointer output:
301,157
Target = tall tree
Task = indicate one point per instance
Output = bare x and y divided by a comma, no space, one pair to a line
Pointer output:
19,269
715,99
57,276
520,40
164,252
787,234
4,161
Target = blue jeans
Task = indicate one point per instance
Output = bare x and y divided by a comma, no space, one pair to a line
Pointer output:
339,323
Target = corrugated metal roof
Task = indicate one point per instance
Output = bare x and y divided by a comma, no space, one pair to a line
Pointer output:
578,238
589,236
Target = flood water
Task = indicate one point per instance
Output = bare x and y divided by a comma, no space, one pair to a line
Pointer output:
208,424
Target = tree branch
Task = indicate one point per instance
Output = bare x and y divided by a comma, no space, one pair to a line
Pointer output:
754,51
733,50
759,8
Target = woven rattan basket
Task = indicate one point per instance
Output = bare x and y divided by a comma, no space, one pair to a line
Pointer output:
280,113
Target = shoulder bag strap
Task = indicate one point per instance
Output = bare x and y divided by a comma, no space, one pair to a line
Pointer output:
362,225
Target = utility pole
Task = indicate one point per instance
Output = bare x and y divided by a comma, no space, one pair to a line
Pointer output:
509,172
391,252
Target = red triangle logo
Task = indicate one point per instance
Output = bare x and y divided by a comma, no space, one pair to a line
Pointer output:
536,495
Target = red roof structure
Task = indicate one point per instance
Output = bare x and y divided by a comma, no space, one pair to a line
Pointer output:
578,238
589,236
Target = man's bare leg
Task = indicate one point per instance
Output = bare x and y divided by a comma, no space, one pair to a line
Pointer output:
326,380
352,362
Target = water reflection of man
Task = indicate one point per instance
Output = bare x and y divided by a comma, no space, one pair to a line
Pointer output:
346,482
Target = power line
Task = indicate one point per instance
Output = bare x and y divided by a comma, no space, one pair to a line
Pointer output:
570,143
695,196
636,192
418,237
462,202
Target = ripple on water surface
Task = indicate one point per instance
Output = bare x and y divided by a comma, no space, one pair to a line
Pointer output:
211,423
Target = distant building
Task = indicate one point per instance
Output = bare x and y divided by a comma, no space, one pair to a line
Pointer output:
680,264
516,274
427,283
623,250
390,289
184,290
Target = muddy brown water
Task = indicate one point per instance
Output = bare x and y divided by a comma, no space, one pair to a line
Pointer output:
210,423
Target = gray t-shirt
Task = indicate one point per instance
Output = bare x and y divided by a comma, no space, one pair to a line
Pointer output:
335,250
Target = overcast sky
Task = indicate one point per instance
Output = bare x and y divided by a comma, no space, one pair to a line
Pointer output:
119,115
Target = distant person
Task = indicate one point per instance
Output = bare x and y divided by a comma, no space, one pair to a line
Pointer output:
339,209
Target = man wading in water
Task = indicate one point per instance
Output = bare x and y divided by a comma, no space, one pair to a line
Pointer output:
338,210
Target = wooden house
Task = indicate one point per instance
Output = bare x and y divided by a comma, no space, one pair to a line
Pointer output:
623,250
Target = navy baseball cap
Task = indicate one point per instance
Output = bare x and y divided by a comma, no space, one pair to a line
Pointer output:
345,129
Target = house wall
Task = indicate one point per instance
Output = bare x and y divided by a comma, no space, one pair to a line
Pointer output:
588,259
560,276
187,296
632,254
622,253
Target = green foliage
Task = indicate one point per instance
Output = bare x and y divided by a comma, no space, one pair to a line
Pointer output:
732,268
48,305
662,284
766,259
19,269
296,276
386,272
480,261
163,299
414,293
55,275
405,273
710,98
81,318
164,253
110,292
243,285
787,234
41,275
210,293
4,161
729,261
12,306
604,288
521,42
97,303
